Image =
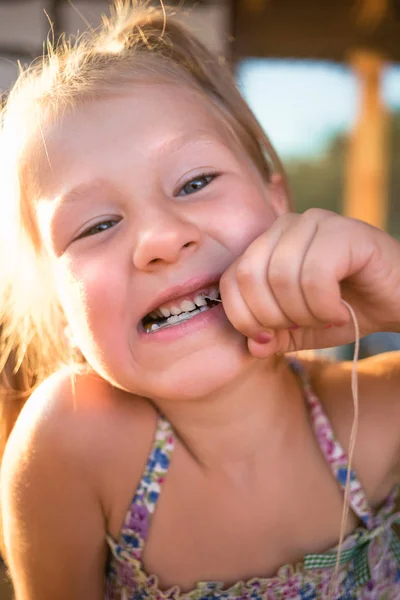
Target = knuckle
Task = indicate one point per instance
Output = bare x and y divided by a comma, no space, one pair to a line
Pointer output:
311,282
314,273
316,214
288,218
277,276
245,271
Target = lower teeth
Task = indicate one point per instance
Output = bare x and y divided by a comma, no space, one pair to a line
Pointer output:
176,319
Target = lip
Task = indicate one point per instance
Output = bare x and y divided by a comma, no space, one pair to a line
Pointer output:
180,290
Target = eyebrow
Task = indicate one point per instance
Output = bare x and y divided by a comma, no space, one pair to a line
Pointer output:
192,137
170,146
80,191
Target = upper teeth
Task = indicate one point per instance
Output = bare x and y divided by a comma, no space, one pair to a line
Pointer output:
185,305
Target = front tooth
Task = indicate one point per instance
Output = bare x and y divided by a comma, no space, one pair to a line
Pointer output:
187,305
200,301
175,310
165,312
213,294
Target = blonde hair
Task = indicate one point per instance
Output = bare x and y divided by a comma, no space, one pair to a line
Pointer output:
136,42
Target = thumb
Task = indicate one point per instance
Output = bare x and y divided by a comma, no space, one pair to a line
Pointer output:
264,345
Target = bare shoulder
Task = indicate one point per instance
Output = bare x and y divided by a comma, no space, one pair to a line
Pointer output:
89,422
81,416
378,376
63,475
377,451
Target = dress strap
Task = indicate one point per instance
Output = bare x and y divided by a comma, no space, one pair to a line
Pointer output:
136,525
333,451
157,466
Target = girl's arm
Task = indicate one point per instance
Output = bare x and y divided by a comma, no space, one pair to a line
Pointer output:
54,529
377,451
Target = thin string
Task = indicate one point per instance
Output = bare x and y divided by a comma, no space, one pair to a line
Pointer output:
352,443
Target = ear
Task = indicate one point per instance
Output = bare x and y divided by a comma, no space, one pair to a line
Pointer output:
278,194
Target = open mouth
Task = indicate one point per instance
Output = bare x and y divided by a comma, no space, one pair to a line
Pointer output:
176,313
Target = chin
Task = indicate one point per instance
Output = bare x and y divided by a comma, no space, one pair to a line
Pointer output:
189,376
198,376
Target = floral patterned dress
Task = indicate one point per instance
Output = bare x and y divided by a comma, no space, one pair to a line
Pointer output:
370,557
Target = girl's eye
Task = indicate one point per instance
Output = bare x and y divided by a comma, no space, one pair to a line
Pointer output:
196,184
98,228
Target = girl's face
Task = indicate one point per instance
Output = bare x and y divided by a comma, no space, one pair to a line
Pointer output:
147,200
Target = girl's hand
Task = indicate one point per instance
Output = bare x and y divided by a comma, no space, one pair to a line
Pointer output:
284,293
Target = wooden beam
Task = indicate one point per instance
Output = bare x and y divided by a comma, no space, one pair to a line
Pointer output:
19,52
366,195
325,30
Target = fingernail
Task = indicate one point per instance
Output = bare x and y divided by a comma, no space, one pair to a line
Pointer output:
263,338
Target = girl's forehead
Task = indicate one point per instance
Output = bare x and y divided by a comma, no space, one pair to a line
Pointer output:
147,109
148,119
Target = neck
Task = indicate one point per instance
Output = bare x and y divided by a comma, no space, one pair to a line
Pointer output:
240,425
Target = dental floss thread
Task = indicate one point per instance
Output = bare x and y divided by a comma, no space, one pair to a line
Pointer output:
352,442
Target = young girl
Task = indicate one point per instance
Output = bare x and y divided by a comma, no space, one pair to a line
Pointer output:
169,449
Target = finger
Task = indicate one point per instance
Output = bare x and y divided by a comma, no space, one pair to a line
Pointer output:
251,275
278,343
236,308
286,265
321,274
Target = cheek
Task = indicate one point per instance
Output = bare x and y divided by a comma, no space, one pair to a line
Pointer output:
242,217
89,293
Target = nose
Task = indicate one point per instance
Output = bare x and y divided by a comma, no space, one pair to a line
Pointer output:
162,237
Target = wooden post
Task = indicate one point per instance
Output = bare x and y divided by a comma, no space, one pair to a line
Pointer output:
366,195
